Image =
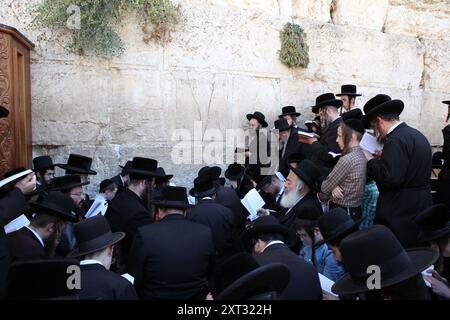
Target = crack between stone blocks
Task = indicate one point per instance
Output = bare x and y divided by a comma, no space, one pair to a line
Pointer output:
332,9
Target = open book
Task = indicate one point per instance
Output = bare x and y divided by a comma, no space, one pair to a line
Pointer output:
326,284
252,202
17,224
370,143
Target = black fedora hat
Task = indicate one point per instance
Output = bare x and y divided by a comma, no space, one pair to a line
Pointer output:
204,186
172,197
143,168
379,105
353,119
336,224
240,277
234,171
446,102
14,175
67,182
94,234
352,114
378,246
324,100
348,90
127,165
295,157
282,125
258,116
268,224
41,280
307,171
213,172
43,163
356,125
162,176
434,223
289,111
3,112
78,164
56,203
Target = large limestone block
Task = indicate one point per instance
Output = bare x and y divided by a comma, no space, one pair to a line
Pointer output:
267,6
420,23
365,57
360,13
433,116
223,39
437,65
318,10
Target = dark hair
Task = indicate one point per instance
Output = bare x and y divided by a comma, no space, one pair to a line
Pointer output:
307,225
41,220
389,117
413,288
347,134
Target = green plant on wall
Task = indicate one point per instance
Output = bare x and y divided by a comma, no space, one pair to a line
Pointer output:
90,24
294,51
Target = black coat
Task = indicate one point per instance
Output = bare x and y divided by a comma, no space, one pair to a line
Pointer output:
24,245
293,146
443,181
304,281
228,197
403,179
219,219
12,205
126,213
97,283
260,144
171,259
118,181
307,209
327,143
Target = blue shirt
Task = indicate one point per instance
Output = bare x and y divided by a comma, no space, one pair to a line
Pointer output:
325,263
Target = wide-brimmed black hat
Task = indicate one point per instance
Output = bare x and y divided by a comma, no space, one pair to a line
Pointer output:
67,182
356,125
289,111
307,171
204,186
213,172
162,176
127,165
336,224
295,157
42,280
310,124
94,234
240,277
43,163
3,112
434,223
57,204
143,168
282,125
324,100
353,114
446,102
437,160
268,224
78,164
378,246
379,105
14,175
348,90
258,116
234,171
172,197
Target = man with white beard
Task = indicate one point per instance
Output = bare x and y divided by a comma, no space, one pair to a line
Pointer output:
299,195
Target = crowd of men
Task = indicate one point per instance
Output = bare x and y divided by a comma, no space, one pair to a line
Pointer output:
336,211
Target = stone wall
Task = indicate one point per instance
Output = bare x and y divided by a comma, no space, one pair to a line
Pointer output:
222,64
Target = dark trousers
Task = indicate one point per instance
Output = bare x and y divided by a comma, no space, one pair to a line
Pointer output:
354,212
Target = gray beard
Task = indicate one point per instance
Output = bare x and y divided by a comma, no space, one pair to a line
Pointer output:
288,200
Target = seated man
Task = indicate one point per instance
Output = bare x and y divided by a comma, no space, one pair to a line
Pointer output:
96,244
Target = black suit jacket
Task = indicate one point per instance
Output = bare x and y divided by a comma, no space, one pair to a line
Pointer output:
171,259
12,205
403,179
293,146
327,143
304,281
118,181
126,213
307,209
97,283
219,219
228,197
24,245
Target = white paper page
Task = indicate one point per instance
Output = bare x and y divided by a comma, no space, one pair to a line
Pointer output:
97,207
252,202
326,284
370,143
17,224
308,134
425,273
